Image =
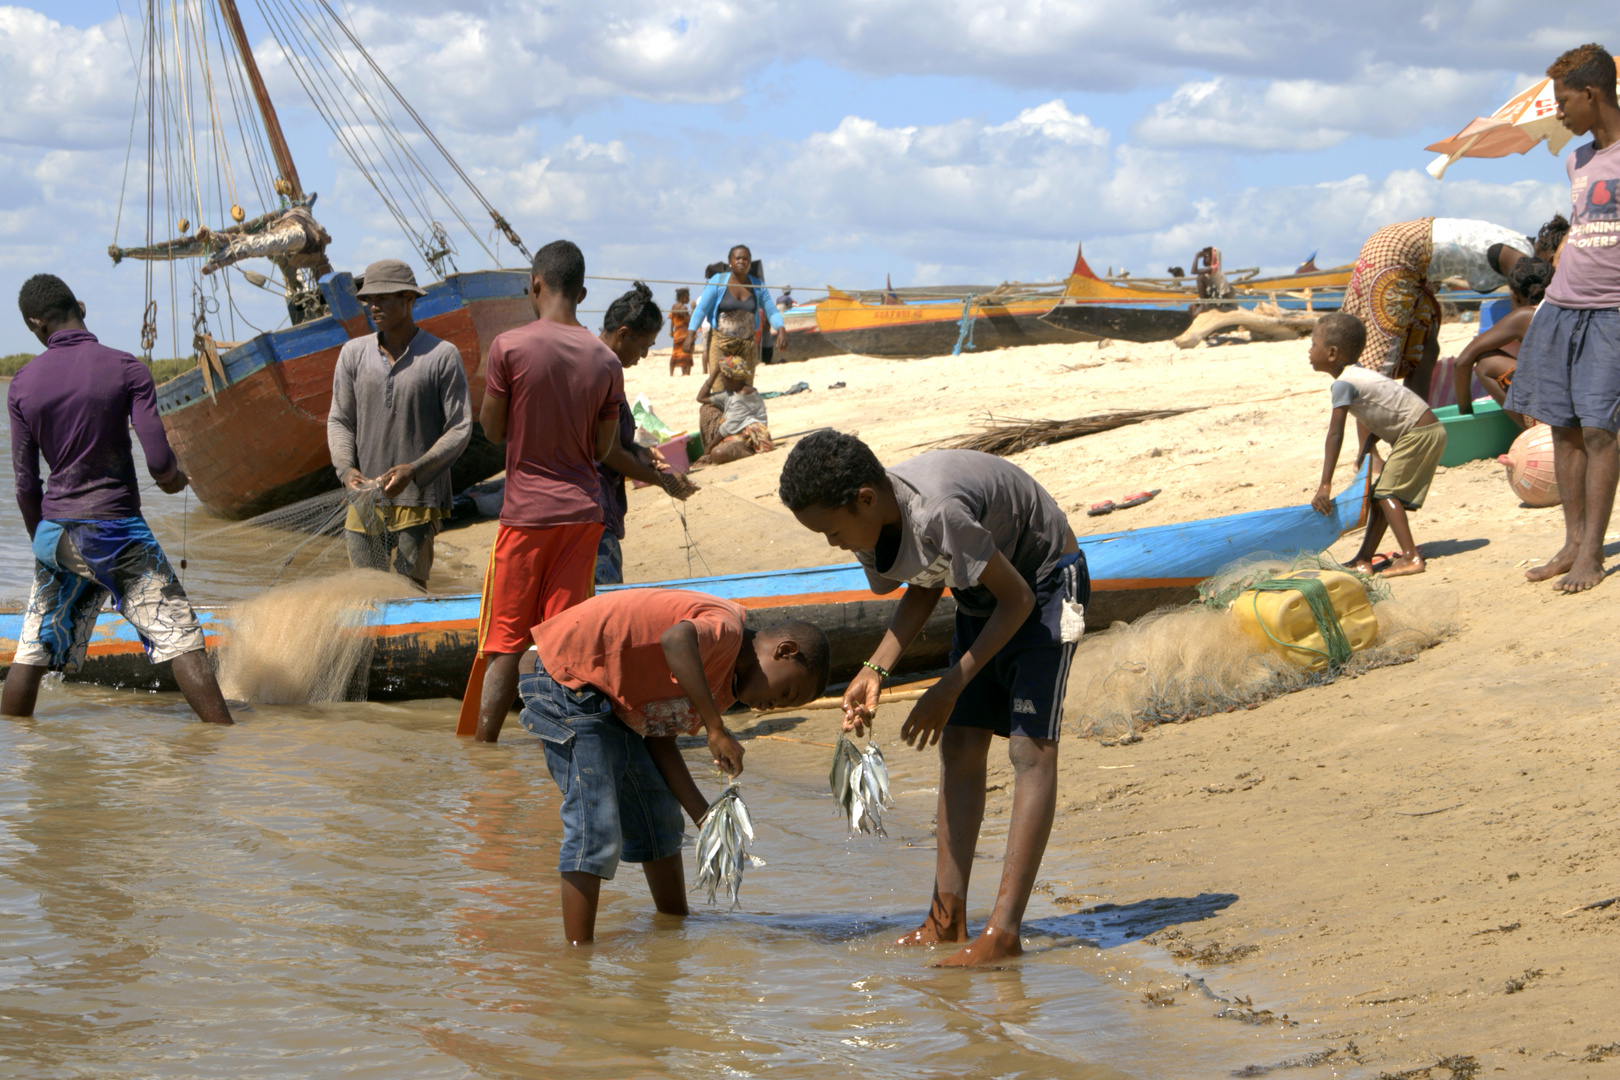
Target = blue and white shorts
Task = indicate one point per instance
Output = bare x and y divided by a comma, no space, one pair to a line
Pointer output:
1020,691
77,566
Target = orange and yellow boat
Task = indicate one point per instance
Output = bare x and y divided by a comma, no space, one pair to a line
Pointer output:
1083,307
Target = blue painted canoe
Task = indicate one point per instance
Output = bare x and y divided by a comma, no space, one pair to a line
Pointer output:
425,645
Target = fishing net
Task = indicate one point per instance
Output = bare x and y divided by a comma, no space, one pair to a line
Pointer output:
293,543
1178,664
300,622
307,642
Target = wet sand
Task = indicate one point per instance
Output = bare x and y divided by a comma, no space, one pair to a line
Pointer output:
1390,858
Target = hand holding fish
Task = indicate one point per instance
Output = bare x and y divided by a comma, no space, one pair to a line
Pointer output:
861,701
922,728
727,751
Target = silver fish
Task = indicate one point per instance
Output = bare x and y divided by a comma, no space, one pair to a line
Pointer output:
860,785
723,836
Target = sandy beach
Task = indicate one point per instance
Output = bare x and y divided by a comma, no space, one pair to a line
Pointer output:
1391,861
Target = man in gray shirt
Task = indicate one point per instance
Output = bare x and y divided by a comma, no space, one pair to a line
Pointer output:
400,417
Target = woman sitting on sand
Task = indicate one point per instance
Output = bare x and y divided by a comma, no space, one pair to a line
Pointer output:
1494,354
732,303
732,420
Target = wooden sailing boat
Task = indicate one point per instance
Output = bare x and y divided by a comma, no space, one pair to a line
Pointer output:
248,424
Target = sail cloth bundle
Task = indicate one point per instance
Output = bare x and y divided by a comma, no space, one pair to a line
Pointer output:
290,236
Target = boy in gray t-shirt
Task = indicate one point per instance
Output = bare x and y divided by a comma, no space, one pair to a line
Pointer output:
1384,409
985,529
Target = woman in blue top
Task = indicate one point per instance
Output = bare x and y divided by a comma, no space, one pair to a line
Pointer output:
732,303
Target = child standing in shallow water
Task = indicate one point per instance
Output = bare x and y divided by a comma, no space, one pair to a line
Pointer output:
616,680
986,529
1384,409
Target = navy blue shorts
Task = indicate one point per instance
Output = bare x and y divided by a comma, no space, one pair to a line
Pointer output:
1020,691
1568,372
616,805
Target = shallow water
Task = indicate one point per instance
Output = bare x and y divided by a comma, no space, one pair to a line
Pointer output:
350,890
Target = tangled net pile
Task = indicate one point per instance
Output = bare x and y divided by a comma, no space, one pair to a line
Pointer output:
1182,663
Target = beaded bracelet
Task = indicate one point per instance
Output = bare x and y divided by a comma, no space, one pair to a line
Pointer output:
882,674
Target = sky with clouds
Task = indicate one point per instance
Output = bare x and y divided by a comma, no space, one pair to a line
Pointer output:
939,142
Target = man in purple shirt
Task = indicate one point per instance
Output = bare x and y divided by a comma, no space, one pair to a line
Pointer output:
74,404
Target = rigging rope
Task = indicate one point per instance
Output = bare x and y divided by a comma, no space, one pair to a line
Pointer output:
500,222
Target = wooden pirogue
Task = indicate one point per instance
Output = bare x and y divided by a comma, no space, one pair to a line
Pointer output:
425,644
1083,307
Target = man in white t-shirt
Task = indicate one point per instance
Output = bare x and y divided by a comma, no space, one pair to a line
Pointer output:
1384,409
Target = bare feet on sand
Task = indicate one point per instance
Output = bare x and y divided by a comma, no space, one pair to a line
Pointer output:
1583,575
987,948
1405,566
1558,564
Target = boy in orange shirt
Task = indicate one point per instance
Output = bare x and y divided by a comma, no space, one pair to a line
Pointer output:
617,679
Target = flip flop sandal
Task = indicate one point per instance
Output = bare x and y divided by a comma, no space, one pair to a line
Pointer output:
1098,509
1380,563
1137,499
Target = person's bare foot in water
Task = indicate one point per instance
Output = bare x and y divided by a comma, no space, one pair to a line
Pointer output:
946,922
1405,566
1560,563
1583,574
987,948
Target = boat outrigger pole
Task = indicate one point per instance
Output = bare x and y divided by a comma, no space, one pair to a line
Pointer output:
267,108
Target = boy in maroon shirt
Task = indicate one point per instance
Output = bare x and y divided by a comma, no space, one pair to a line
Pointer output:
552,393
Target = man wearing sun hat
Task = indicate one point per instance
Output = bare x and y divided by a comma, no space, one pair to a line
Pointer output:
400,417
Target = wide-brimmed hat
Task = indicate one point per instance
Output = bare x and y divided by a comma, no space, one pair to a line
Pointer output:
387,276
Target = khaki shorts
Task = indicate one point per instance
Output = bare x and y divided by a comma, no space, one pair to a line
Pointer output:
1410,468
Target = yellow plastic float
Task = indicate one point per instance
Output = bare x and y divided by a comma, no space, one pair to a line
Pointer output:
1309,617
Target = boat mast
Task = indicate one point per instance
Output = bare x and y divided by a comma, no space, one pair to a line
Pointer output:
267,109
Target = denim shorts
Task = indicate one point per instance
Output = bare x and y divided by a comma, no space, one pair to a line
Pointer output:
1568,371
1020,691
616,804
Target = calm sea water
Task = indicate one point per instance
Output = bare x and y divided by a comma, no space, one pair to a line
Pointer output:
349,890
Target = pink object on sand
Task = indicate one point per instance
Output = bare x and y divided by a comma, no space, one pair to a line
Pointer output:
674,451
1530,470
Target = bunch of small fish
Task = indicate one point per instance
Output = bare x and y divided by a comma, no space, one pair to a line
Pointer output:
860,785
722,837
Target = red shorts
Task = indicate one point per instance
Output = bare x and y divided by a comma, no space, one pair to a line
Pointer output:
536,574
